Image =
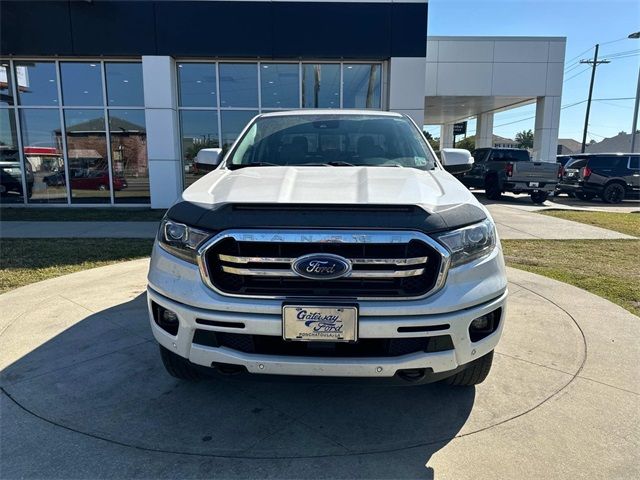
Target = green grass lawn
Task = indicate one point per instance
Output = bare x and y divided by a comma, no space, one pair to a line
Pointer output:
628,223
608,268
80,214
24,261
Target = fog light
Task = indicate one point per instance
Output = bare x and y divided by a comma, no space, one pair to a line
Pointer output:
485,325
165,319
169,317
480,323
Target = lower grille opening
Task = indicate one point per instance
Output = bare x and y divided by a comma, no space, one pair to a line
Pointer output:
364,347
216,323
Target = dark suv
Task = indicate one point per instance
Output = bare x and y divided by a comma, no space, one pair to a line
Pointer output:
610,176
569,176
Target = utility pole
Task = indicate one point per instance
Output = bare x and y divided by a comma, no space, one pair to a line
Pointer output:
634,125
594,63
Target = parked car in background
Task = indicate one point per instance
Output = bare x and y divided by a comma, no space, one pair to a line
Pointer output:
96,180
610,176
11,178
569,175
56,179
499,170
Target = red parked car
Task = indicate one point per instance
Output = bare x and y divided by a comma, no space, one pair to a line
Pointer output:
96,180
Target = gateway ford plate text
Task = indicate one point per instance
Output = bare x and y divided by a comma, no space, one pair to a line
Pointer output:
319,323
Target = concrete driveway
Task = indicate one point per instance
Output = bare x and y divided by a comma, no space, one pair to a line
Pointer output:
84,395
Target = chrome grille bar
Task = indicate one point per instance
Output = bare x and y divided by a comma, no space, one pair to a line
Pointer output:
279,272
354,261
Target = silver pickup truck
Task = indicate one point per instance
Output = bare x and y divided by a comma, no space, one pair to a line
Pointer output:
499,170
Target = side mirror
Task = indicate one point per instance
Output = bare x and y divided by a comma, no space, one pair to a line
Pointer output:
208,159
456,160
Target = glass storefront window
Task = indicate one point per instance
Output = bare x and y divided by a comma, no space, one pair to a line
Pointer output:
87,154
233,122
11,189
197,85
238,85
6,93
124,84
37,83
362,86
42,144
81,83
280,85
199,129
321,85
129,156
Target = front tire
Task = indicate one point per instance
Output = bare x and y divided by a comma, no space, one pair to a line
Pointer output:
539,197
475,373
179,367
613,193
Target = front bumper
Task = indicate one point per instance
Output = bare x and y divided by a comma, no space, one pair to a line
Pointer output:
471,291
464,350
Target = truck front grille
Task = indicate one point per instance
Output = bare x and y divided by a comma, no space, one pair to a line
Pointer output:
384,264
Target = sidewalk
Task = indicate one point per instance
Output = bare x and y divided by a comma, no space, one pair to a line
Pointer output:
515,223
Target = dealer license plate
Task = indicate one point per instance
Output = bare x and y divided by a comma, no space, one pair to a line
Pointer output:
534,184
317,323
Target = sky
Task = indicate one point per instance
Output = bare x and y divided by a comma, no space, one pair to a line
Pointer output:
584,23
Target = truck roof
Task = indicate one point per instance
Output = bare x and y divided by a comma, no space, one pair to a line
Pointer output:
330,111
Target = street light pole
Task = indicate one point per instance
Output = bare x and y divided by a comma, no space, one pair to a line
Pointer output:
634,125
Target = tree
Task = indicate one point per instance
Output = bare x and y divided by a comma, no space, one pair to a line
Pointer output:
434,142
467,143
524,139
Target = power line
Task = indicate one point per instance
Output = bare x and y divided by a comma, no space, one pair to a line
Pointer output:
579,55
577,74
563,107
594,64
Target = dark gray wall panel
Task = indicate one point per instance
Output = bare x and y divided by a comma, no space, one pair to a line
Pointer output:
231,29
213,29
113,28
35,28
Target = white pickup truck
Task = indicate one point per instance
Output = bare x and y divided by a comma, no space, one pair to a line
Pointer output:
329,243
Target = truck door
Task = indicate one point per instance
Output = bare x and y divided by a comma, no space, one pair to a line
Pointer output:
475,176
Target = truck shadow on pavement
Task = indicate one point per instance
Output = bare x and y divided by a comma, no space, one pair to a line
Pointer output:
102,378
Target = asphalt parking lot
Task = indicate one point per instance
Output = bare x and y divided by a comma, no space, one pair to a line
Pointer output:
84,395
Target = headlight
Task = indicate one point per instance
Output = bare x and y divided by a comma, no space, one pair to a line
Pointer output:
180,239
469,243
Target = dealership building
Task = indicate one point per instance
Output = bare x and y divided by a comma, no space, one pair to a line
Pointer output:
108,102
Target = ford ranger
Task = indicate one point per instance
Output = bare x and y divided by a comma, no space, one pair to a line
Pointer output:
329,243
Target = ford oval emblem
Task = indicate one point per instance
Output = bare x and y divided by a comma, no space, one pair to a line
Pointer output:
321,266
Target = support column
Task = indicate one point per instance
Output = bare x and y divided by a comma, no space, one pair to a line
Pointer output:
407,87
545,137
163,131
484,130
446,136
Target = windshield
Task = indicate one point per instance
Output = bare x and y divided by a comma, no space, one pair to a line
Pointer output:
337,140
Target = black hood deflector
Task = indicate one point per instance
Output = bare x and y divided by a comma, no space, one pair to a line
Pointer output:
226,216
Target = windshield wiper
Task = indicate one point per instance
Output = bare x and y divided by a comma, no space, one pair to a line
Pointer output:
254,164
340,163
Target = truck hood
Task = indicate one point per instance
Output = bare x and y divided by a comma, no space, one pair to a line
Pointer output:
433,190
